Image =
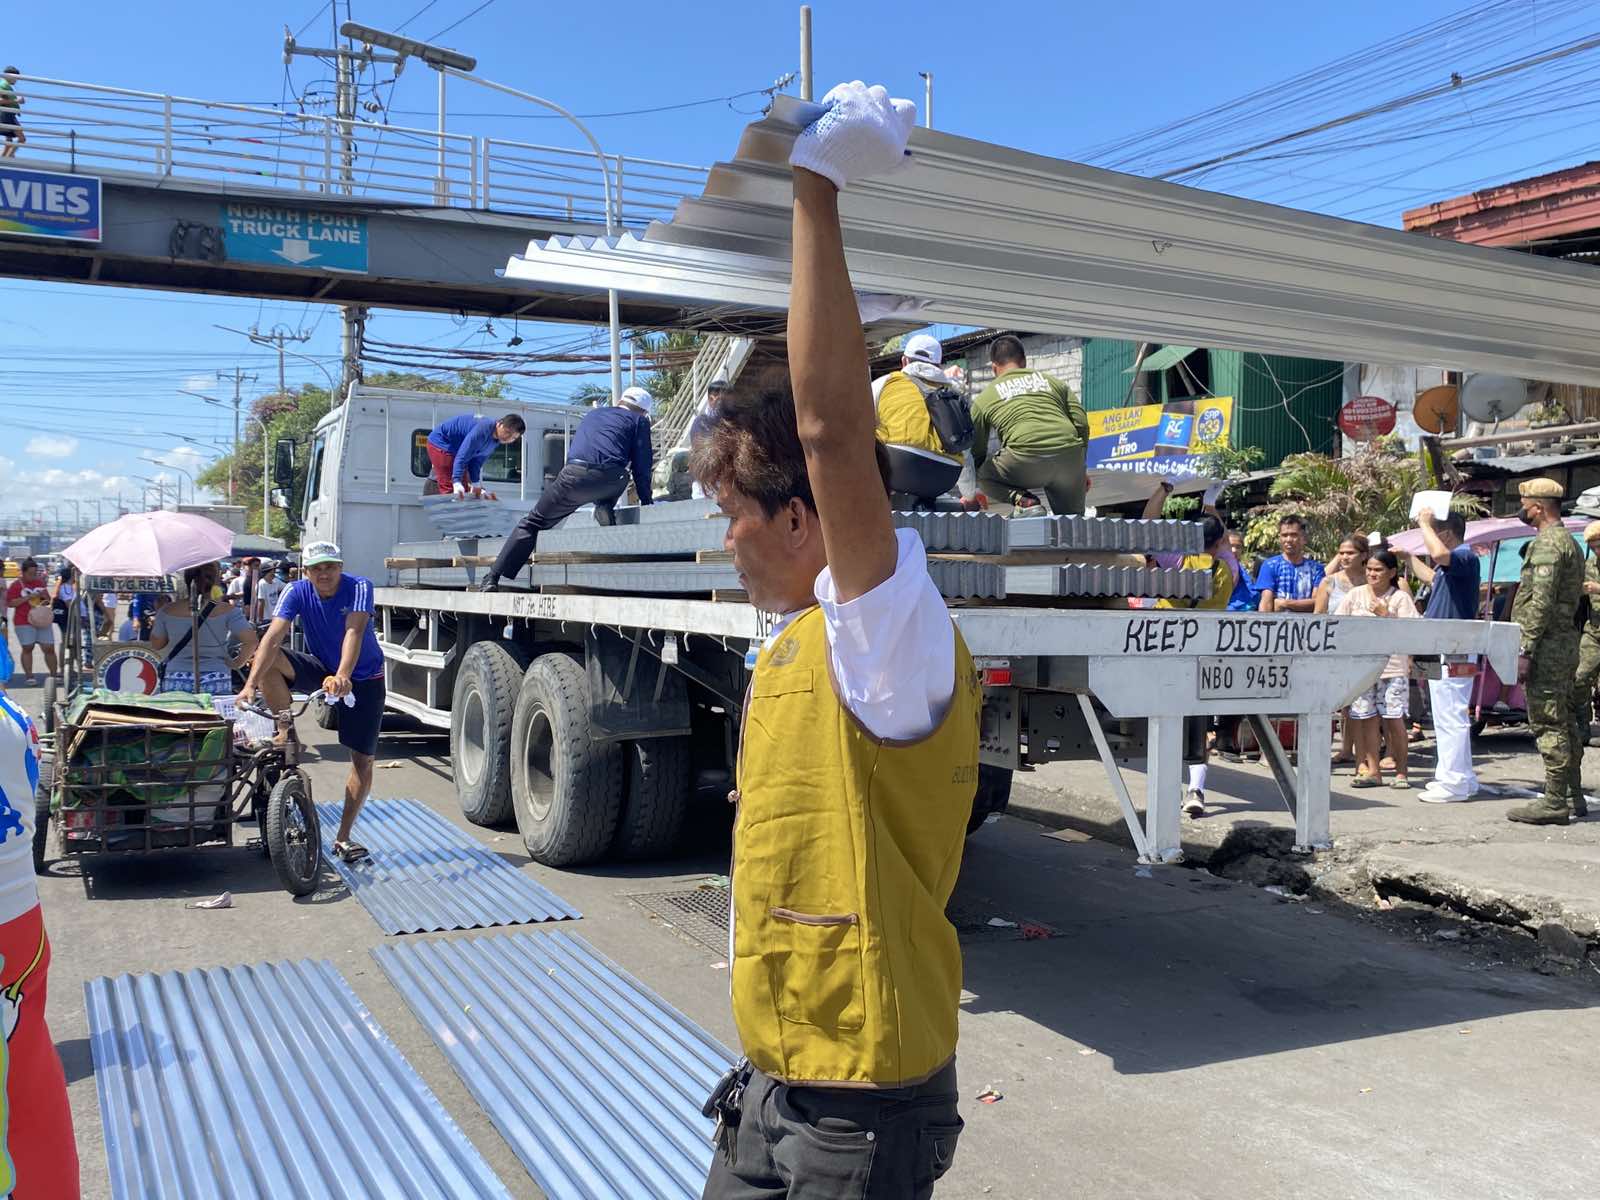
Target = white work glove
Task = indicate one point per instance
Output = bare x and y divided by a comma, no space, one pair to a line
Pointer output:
460,489
1213,493
861,133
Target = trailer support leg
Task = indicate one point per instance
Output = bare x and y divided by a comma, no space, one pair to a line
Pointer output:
1119,788
1272,751
1311,831
1164,789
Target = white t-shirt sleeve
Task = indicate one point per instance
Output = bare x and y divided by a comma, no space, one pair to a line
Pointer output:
894,649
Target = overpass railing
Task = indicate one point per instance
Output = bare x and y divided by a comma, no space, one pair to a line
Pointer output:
88,127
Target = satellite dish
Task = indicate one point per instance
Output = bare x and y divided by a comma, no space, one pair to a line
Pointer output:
1489,398
1436,409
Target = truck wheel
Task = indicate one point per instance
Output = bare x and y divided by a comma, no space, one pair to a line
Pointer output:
566,787
480,729
324,714
294,837
994,793
41,815
657,797
52,691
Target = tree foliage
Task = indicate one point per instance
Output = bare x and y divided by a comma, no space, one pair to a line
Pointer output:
293,415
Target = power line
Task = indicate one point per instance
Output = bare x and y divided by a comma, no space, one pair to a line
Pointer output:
462,21
401,27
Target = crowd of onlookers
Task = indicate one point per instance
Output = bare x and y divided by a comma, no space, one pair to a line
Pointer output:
243,593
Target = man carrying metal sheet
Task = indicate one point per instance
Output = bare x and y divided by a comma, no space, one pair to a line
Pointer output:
608,442
858,756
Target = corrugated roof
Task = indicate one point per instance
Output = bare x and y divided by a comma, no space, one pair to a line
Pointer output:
424,874
260,1081
976,234
1521,464
591,1078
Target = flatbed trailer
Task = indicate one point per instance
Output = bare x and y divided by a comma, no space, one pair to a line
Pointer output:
587,716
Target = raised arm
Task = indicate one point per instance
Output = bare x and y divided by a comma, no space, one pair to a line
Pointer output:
863,133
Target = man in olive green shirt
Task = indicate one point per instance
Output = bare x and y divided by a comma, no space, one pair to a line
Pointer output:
1043,433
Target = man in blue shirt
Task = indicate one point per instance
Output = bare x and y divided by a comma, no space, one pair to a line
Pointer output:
458,448
1287,581
345,661
606,445
1454,572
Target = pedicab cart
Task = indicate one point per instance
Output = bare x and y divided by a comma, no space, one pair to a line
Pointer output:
127,769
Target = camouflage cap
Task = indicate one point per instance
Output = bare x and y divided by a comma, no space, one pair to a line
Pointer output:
1591,531
1540,489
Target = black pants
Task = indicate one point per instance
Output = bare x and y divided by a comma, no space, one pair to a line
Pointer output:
918,475
816,1143
577,484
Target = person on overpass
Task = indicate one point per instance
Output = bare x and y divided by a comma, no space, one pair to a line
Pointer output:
859,758
919,464
11,113
607,443
1044,434
459,446
344,660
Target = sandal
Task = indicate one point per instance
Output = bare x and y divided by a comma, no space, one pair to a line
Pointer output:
1365,781
1401,782
349,852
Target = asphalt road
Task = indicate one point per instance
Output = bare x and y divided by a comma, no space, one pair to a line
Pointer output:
1179,1036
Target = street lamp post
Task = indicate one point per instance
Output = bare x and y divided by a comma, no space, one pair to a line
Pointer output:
452,62
266,463
193,486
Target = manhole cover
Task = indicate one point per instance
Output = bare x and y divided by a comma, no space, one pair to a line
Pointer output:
702,914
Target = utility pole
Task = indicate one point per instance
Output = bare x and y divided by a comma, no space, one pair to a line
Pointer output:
238,379
351,339
805,52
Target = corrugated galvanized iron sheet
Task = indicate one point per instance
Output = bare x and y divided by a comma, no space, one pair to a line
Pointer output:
472,517
591,1078
424,874
263,1081
976,234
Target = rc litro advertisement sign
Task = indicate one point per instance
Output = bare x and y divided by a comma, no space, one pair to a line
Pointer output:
48,204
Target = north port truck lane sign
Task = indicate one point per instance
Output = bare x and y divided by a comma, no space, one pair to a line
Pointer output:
295,237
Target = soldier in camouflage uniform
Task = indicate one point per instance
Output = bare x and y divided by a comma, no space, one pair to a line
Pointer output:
1547,610
1588,656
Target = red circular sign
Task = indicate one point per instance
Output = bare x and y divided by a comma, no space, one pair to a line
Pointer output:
1366,418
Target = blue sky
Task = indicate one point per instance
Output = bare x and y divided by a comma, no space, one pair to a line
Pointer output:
91,375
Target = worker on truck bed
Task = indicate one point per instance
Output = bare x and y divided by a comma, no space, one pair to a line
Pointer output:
345,660
458,448
1044,434
919,465
607,443
859,753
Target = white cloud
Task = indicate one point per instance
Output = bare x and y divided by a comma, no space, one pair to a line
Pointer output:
50,445
199,383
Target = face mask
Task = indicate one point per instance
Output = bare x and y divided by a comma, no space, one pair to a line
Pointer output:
1527,516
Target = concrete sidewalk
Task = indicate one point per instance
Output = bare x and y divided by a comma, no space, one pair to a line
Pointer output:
1466,857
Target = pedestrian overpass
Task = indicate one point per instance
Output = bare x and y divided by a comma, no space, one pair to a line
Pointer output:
235,199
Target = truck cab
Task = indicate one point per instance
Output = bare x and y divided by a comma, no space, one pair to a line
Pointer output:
369,462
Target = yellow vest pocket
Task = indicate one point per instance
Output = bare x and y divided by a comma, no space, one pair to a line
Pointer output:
815,963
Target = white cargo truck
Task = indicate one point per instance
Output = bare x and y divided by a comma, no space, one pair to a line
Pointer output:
589,714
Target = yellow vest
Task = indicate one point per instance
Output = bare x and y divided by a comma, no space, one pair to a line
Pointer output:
903,417
1221,583
846,849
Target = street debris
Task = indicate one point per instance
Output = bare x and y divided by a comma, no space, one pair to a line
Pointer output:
1035,931
1283,893
991,1095
223,901
1001,923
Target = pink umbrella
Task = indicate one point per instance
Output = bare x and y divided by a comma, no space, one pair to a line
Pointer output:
150,543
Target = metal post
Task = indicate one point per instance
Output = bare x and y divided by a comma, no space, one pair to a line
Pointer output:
266,482
166,133
927,98
617,159
441,192
1163,789
805,52
345,103
1311,801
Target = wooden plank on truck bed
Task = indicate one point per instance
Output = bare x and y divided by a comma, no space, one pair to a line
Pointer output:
412,564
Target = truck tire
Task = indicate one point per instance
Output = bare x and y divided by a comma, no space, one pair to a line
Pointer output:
324,714
480,729
657,798
566,788
52,692
994,793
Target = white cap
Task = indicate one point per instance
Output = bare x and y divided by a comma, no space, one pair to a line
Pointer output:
923,347
320,552
640,399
